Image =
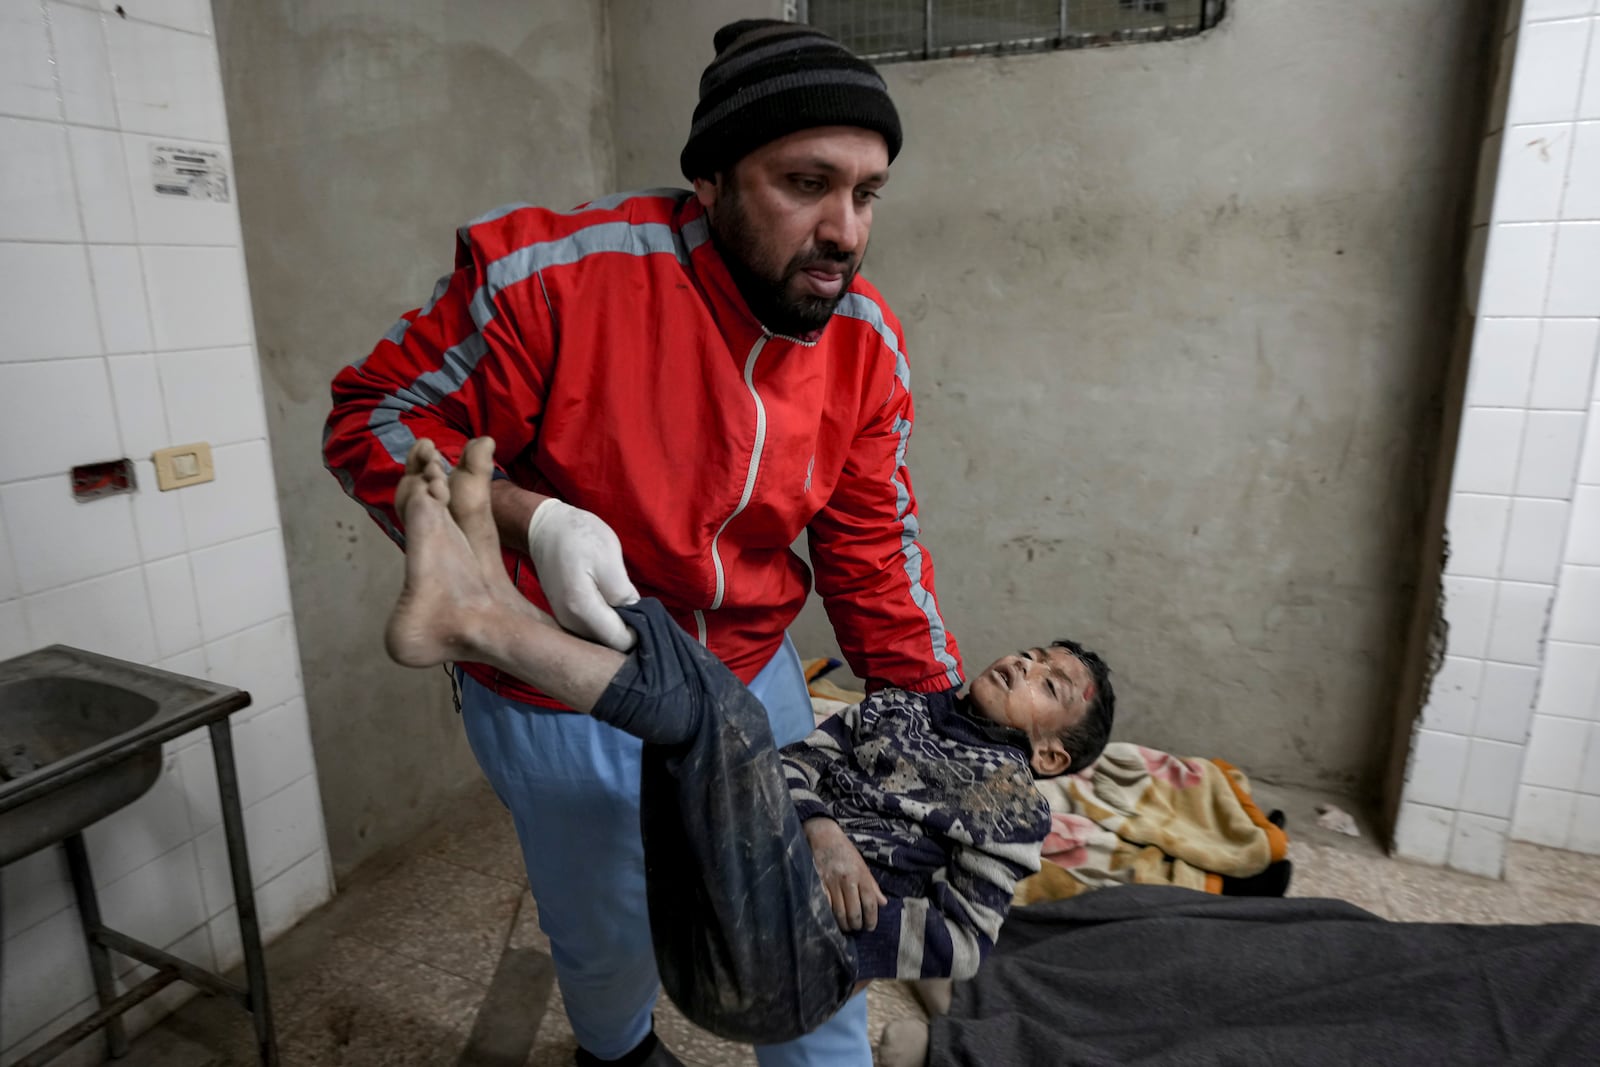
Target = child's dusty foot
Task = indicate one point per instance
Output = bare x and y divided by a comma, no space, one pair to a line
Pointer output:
469,507
469,502
445,600
424,473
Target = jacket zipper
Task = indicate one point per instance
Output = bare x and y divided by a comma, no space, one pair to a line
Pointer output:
749,481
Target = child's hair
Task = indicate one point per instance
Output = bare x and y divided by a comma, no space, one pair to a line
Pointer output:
1086,740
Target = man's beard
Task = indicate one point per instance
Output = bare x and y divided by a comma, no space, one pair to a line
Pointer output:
738,242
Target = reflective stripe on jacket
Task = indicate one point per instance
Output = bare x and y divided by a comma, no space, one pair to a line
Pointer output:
610,355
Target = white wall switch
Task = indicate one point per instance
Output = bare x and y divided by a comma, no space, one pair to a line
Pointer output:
183,465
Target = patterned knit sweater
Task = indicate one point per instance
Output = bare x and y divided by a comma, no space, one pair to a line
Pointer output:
942,806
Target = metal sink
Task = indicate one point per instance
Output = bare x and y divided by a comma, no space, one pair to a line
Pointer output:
81,735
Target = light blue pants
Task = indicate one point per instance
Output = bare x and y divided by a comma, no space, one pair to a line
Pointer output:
572,785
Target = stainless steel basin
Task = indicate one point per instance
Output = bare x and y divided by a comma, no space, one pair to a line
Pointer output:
81,735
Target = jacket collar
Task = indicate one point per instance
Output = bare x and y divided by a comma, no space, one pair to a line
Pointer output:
953,716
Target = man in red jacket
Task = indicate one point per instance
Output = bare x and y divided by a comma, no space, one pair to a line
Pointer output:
678,385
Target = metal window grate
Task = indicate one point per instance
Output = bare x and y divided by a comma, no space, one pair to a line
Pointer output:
888,31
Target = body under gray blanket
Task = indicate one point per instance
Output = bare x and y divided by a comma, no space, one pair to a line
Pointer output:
1155,975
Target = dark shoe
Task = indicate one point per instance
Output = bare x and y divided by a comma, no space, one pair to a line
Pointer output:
648,1053
1272,882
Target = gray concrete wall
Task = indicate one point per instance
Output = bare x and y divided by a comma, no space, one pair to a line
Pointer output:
658,49
1178,318
1177,315
364,132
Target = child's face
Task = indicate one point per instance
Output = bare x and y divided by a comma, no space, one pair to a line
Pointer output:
1043,692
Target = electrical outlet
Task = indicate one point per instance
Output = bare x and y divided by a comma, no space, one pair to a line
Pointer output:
91,481
183,465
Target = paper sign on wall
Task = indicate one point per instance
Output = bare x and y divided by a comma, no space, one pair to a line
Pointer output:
194,173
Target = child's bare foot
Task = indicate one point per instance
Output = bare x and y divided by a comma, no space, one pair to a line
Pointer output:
469,507
469,502
446,599
424,473
458,602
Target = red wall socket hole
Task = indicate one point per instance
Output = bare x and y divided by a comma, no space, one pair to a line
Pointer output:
94,480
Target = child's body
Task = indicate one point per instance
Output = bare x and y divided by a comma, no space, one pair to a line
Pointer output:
919,811
941,809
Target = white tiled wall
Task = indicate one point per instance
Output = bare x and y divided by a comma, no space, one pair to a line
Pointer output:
128,329
1510,735
1560,794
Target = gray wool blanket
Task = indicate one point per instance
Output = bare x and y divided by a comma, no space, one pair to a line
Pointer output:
1153,975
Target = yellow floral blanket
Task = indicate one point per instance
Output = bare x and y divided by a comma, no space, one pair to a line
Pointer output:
1145,817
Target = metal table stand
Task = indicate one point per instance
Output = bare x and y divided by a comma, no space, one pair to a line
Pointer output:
253,997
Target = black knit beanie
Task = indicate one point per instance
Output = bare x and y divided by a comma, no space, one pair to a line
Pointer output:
771,79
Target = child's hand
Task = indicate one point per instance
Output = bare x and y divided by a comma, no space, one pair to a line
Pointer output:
852,891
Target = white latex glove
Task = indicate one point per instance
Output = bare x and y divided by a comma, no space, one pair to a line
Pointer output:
579,563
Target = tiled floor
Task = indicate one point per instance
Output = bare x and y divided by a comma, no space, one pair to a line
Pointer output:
393,972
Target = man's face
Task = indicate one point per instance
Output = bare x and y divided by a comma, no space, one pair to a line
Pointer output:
792,220
1041,691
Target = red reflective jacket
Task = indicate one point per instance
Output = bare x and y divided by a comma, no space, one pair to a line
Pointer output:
611,357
